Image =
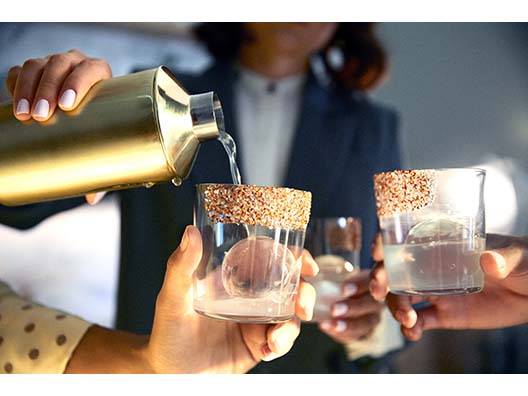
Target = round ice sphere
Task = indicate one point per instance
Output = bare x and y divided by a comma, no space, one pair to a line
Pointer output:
256,267
437,230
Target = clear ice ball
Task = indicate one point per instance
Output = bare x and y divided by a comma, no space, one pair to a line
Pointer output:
437,230
257,267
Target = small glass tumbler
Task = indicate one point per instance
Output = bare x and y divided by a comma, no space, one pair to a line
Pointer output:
253,239
335,243
433,230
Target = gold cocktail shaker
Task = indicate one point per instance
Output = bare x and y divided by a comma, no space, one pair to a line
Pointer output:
129,131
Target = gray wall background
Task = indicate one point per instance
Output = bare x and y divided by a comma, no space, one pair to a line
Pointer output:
462,93
461,88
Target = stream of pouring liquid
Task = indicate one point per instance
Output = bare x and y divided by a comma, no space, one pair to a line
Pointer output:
230,148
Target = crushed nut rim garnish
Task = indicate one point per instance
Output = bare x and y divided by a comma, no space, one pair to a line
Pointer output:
404,191
275,207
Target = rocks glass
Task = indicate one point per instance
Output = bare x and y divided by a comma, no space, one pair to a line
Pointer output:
335,244
253,239
433,229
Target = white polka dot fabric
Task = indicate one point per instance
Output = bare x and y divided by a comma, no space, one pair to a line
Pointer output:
33,338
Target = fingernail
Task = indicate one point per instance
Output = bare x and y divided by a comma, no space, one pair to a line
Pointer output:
22,107
308,311
278,343
67,99
349,290
97,198
339,309
185,241
326,325
340,326
307,306
501,262
41,108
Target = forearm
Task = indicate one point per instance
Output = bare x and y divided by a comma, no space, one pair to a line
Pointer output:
109,351
38,339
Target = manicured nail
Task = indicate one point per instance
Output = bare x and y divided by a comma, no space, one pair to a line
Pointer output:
97,198
349,289
42,108
308,311
307,308
185,241
339,309
501,262
22,107
326,325
278,343
67,99
340,326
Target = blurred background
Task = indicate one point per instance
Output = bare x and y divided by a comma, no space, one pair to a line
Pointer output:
461,90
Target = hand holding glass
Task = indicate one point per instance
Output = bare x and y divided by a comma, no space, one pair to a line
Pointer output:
252,250
335,243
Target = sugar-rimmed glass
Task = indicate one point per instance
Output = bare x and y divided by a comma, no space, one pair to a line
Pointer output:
253,239
433,229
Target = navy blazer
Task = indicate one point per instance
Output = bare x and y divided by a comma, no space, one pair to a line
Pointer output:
340,142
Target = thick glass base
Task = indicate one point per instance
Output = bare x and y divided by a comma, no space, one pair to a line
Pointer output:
245,318
247,310
438,292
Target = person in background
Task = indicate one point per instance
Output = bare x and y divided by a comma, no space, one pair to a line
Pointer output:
295,100
503,302
37,339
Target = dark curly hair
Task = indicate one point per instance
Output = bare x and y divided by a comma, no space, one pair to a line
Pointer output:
364,60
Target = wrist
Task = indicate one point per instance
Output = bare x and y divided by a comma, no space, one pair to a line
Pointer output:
110,351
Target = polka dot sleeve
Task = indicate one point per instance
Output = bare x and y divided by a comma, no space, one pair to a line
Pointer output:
33,338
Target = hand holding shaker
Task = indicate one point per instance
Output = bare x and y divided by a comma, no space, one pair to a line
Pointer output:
433,230
129,131
253,240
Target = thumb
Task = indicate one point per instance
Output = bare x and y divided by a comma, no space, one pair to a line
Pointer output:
174,296
499,263
376,250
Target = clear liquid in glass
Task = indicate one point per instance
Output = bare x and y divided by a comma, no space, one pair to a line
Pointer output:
334,271
435,268
250,279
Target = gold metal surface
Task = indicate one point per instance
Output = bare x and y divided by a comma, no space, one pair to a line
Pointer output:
129,131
